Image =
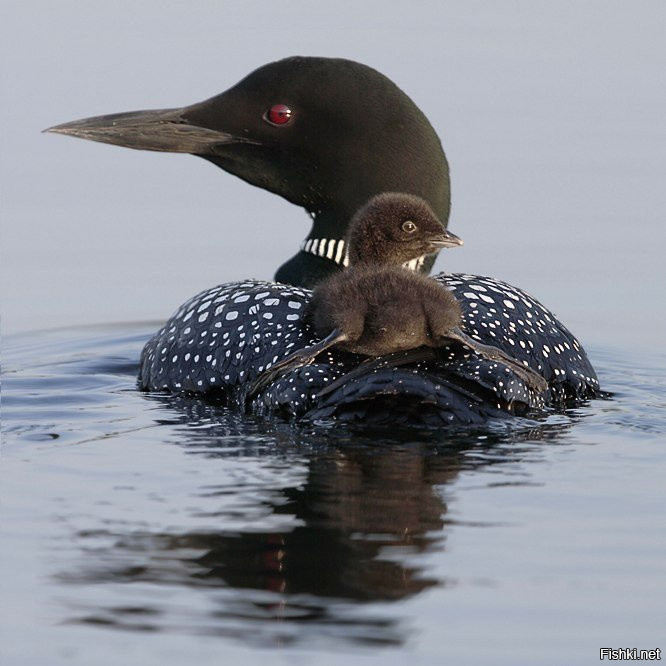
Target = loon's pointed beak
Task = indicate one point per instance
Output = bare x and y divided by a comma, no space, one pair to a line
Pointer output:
166,130
446,239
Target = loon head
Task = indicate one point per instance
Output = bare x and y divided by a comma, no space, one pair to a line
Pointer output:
394,228
326,134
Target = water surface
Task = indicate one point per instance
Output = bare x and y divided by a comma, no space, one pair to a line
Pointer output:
151,529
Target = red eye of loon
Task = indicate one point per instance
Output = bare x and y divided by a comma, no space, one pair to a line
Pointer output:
278,114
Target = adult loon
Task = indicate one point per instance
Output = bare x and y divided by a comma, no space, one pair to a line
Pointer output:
327,135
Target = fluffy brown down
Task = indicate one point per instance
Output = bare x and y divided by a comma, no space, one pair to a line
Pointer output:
384,309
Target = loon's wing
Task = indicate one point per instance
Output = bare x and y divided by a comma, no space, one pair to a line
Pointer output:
224,337
498,314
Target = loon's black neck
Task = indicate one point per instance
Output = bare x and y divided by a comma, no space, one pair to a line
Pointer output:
315,262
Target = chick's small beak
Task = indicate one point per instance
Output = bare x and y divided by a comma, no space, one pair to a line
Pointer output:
445,239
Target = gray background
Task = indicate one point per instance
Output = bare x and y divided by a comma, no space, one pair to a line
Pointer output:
551,114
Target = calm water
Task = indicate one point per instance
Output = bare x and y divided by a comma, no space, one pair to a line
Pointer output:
146,529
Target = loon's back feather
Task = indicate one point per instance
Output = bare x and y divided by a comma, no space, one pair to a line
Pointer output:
224,337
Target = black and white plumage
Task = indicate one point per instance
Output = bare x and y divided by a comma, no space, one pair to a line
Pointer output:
223,338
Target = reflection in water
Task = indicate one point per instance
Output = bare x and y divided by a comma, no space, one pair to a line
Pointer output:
314,534
367,507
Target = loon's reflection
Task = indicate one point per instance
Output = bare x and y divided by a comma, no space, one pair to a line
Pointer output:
364,512
352,506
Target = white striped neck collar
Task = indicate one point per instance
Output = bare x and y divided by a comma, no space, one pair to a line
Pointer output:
335,250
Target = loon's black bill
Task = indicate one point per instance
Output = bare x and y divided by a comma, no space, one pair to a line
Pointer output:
164,130
447,239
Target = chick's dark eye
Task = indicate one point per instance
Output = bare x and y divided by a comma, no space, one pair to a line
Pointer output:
408,226
278,114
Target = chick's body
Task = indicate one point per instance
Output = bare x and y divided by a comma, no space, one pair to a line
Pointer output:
384,309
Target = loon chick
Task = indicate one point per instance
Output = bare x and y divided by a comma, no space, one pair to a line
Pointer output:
376,307
327,135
